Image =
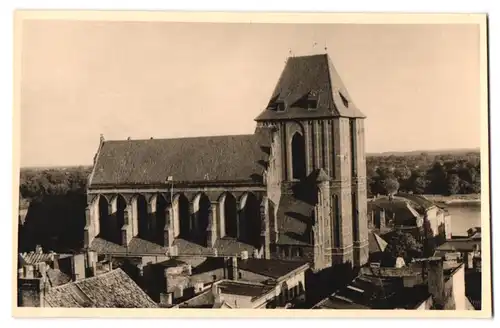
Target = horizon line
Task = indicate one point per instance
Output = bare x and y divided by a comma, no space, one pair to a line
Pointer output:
381,153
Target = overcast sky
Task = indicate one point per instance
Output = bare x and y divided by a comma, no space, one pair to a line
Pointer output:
418,84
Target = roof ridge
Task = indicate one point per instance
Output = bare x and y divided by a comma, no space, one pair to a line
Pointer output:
179,138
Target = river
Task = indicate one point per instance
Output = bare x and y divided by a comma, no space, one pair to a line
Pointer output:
464,217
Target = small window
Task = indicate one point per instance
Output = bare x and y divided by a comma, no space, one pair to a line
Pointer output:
300,252
312,104
240,275
214,277
280,107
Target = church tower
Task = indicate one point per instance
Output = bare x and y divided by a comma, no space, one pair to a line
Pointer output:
321,135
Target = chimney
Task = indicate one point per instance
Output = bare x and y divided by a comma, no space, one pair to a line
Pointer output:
38,249
198,287
189,269
244,255
179,292
256,254
400,262
167,280
233,268
469,258
20,273
435,281
42,268
30,274
56,261
218,298
92,263
78,266
166,299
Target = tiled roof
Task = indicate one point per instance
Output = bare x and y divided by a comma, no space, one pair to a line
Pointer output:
306,75
138,246
34,258
459,245
269,267
384,288
204,300
218,158
224,247
243,288
114,289
404,213
57,277
418,199
294,221
67,296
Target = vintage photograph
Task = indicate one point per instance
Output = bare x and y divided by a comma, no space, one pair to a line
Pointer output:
274,165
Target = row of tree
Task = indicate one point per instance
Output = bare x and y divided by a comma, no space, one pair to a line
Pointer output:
420,174
459,175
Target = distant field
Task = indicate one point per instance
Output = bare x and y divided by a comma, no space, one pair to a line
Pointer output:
429,152
455,199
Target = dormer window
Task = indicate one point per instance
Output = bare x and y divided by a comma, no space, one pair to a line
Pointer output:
344,100
312,104
276,104
312,100
308,101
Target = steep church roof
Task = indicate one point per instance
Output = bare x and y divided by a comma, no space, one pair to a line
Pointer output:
310,78
218,158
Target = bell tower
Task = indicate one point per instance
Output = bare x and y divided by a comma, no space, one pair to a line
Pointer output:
320,128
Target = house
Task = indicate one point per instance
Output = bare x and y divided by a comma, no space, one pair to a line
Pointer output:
294,189
75,281
408,212
114,289
230,294
468,251
422,285
180,279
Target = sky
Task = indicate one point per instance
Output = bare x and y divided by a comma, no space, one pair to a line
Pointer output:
418,85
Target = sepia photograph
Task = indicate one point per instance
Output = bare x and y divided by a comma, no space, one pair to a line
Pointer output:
233,162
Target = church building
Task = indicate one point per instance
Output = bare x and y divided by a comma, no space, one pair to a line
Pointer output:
294,189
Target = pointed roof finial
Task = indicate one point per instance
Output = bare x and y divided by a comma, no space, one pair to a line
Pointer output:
326,47
102,137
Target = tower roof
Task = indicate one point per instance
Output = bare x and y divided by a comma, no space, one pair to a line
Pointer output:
309,78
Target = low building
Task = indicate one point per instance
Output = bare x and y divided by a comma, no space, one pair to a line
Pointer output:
113,289
467,250
46,281
408,212
185,279
421,285
231,294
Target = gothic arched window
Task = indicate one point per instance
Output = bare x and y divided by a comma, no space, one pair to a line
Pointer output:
298,156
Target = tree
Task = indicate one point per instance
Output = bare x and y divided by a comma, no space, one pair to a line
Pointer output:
419,185
391,185
437,176
453,185
403,245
